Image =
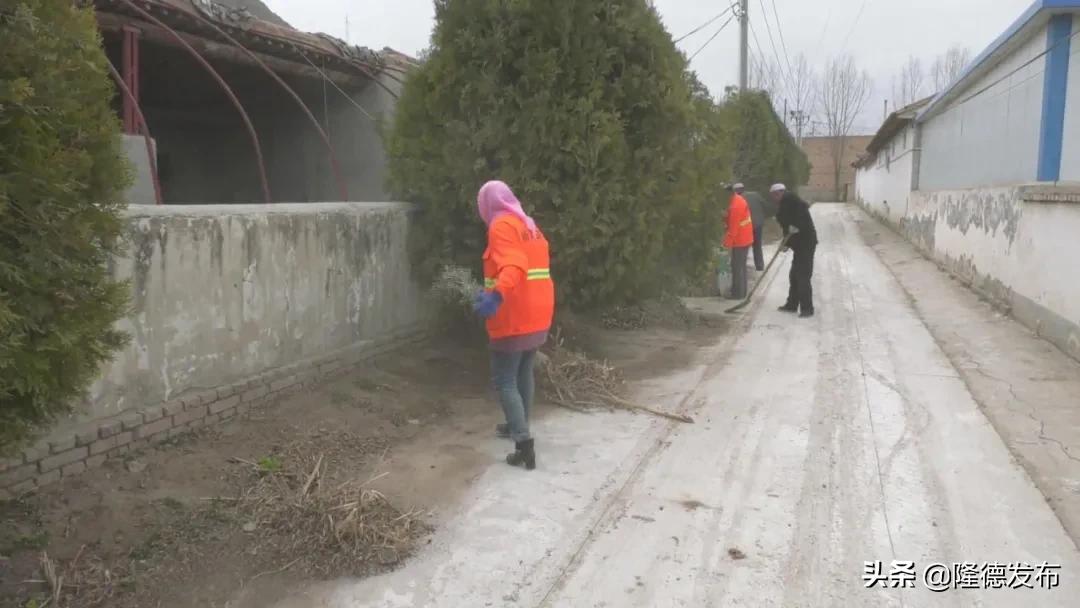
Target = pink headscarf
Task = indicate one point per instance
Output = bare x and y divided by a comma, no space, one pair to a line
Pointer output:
495,199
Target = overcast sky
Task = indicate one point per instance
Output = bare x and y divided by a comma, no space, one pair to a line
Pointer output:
881,34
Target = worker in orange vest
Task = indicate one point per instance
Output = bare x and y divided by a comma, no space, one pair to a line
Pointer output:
739,238
518,303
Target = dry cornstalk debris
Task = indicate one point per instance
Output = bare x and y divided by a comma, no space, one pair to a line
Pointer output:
336,527
309,516
576,381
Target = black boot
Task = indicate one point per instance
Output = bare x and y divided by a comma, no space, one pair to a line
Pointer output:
523,455
788,308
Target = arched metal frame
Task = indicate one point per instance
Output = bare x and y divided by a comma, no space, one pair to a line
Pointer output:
224,85
335,166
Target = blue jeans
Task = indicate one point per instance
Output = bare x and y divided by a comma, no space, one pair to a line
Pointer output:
512,374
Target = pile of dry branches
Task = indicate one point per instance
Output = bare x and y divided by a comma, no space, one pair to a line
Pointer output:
298,505
575,381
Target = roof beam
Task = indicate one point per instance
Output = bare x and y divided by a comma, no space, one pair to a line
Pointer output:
110,22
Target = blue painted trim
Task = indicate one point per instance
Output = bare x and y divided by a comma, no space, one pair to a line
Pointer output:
1055,82
1024,20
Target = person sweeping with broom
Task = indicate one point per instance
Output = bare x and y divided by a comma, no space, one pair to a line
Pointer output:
518,303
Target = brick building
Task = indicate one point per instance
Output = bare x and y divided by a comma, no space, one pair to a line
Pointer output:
819,151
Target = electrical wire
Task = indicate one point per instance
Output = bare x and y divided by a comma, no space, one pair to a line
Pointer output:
704,25
783,43
757,43
332,83
988,87
772,41
713,37
828,20
1020,67
853,24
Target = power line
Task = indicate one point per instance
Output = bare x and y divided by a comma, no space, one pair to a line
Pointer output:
772,41
853,24
757,43
704,25
828,19
1011,73
717,33
783,43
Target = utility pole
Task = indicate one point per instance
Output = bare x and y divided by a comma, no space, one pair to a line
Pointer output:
800,118
744,43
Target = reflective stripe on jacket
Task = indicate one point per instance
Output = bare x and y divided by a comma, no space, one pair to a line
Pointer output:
740,228
517,265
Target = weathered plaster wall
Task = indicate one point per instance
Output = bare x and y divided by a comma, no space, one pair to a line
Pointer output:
1017,245
991,139
224,293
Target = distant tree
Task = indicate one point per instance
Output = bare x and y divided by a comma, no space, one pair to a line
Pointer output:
845,90
802,92
948,66
764,74
62,177
910,84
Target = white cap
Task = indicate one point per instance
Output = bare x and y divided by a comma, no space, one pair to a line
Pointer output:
738,186
778,188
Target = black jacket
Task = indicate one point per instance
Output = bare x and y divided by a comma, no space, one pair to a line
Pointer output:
795,212
757,209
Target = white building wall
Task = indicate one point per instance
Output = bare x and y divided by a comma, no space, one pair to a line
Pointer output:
1070,150
993,139
884,187
1014,244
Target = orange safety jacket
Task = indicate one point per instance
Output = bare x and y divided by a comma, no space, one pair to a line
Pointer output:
516,264
740,229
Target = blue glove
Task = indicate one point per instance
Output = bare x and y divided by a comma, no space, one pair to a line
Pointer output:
487,303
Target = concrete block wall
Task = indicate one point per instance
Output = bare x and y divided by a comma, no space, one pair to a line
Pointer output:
232,306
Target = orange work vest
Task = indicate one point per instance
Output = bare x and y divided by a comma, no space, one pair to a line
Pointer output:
527,289
740,229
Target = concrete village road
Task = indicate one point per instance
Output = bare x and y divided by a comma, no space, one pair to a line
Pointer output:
819,445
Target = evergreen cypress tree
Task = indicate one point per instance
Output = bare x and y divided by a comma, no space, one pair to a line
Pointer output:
582,106
62,175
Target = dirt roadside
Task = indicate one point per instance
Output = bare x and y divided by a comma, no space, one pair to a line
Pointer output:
194,522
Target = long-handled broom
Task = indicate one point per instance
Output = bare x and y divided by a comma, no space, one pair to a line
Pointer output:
750,293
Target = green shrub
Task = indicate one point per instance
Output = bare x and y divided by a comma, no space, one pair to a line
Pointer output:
583,107
62,175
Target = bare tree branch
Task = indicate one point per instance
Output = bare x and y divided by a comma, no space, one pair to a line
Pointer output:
764,75
803,86
845,89
909,85
948,66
